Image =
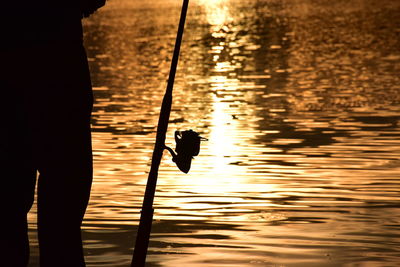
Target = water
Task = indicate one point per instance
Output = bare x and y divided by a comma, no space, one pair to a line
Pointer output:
300,102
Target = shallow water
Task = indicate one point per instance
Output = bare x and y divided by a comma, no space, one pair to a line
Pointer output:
300,102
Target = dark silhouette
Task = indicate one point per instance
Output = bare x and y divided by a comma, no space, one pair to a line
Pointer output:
146,216
187,146
45,109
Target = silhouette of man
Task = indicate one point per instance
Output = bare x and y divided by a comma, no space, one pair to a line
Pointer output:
45,110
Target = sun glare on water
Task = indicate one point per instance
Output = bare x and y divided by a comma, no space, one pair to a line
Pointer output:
217,12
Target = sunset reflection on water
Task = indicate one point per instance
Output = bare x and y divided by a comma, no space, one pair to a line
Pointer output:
299,101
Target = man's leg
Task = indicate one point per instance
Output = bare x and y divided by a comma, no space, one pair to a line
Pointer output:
63,193
14,244
17,178
60,120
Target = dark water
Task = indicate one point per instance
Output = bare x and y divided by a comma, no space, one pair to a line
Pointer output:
300,102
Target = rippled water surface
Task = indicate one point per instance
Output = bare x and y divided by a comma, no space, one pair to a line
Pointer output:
300,102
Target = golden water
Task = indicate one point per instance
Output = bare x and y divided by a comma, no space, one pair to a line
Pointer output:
300,102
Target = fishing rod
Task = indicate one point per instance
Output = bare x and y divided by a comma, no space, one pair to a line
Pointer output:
187,146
